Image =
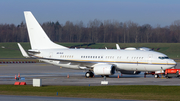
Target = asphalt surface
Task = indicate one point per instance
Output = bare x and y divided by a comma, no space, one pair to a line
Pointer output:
40,98
53,75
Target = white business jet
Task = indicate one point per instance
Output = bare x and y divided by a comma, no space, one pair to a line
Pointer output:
95,61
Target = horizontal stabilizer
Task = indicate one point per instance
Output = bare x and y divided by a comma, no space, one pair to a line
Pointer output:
34,51
23,51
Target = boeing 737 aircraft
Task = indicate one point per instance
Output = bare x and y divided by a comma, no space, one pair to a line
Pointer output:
95,61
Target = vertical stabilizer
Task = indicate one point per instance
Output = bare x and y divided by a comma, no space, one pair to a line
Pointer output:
37,36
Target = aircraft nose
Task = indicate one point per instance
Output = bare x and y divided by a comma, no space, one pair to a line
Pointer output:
173,62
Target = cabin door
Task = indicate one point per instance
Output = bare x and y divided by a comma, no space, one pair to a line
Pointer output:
50,55
150,56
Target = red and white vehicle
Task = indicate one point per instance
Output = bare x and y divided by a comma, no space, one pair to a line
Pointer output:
169,73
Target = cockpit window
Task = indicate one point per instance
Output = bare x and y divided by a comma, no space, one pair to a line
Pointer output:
163,57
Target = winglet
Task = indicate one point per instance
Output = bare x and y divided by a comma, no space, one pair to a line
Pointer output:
23,51
117,46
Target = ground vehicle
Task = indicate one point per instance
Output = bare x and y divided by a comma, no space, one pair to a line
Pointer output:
169,73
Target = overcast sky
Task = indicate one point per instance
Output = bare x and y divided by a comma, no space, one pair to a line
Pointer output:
153,12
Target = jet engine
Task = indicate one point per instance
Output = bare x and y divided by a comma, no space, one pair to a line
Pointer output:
104,69
130,72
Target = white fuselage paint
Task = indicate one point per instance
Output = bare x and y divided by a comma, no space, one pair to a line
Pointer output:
131,60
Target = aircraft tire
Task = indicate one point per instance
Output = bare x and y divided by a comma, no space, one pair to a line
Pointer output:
91,74
87,75
156,75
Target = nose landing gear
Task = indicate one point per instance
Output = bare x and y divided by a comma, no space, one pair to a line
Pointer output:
152,73
156,75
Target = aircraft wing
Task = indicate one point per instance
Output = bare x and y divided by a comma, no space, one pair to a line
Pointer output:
117,46
62,61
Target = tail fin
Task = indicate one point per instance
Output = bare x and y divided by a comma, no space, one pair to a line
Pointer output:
37,36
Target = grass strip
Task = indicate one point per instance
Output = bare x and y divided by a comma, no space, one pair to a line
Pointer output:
11,50
136,92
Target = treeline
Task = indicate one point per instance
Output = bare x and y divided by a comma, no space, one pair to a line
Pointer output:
96,31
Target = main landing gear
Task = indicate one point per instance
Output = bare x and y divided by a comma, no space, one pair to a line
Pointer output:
89,74
152,73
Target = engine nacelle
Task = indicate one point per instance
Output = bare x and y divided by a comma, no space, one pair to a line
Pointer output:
130,72
104,69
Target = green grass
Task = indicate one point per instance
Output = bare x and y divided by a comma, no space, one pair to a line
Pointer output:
11,50
164,93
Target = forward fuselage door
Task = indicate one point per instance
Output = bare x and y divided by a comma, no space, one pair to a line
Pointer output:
150,56
50,55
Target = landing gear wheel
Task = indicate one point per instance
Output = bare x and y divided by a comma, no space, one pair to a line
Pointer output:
156,75
89,74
